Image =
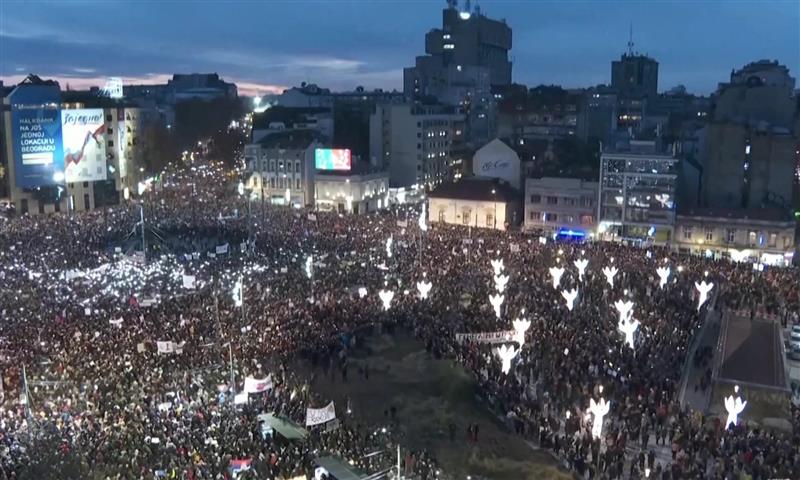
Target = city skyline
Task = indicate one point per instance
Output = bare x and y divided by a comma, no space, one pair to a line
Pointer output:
568,43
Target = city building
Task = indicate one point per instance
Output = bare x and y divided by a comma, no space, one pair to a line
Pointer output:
759,235
415,143
351,192
497,160
751,141
635,75
599,113
475,202
280,118
281,166
565,206
463,61
69,156
182,87
544,112
636,198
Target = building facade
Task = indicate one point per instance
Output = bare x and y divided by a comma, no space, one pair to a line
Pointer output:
415,143
475,202
760,236
351,192
561,205
497,160
281,167
636,197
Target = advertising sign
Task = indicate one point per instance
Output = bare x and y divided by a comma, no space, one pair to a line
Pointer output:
83,133
332,159
39,158
122,161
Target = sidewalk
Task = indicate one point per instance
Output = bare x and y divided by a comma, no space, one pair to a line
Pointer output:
699,399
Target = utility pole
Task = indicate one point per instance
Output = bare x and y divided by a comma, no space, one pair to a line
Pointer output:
399,476
141,220
230,358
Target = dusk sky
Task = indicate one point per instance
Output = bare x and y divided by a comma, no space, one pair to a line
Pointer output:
268,45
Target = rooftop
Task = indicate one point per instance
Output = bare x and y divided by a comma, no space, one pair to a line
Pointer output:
286,115
290,139
760,214
477,189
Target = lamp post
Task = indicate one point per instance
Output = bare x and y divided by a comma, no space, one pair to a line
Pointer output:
494,202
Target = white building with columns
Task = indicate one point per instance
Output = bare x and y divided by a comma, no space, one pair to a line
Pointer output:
475,202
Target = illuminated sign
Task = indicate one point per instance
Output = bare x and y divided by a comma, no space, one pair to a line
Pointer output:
122,161
39,158
332,159
83,132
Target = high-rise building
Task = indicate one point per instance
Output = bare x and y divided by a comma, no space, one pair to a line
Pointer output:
635,75
464,60
415,143
750,144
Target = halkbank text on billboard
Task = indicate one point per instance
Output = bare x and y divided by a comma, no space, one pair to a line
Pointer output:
39,159
83,133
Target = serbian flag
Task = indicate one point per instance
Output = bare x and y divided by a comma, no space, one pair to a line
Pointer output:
238,466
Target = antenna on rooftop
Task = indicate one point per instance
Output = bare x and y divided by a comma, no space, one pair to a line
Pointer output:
630,40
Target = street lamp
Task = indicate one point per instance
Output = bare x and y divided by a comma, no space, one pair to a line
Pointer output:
494,202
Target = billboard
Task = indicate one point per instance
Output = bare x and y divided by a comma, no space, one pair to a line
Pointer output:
39,158
332,159
83,134
122,161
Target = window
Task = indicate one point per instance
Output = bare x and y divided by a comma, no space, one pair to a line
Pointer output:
297,167
280,164
730,235
298,184
109,130
534,216
536,199
86,203
272,165
787,242
23,205
85,184
550,217
272,182
587,220
489,220
466,216
773,239
441,215
687,233
552,200
709,234
41,206
111,143
751,238
108,118
569,201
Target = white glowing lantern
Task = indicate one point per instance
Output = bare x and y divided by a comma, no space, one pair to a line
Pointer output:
362,292
570,296
581,265
497,266
610,273
423,288
506,354
556,273
629,327
237,293
663,274
386,297
703,288
423,225
599,410
521,326
500,282
309,266
625,310
389,247
496,301
734,407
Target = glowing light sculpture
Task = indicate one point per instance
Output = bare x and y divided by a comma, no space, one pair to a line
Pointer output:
556,273
423,225
237,293
703,288
610,273
629,327
734,407
663,274
309,266
362,292
570,296
506,354
497,266
423,288
386,297
500,282
496,301
625,310
581,265
520,327
599,410
389,247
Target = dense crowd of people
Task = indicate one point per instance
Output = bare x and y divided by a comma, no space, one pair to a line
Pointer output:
88,395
